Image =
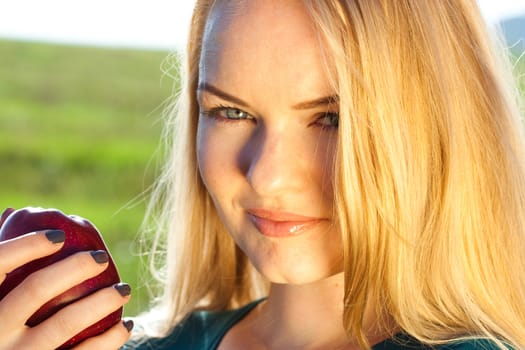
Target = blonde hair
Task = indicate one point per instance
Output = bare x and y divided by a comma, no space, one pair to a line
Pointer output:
429,184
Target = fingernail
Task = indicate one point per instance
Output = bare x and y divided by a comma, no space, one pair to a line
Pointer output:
100,256
128,325
123,288
56,236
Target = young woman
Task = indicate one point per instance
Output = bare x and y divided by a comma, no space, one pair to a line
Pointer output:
344,175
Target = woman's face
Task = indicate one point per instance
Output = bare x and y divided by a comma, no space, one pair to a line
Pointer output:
266,137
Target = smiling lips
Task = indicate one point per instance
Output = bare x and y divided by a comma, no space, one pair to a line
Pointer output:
281,224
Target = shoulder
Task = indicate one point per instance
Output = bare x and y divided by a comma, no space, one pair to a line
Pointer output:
201,330
481,344
402,341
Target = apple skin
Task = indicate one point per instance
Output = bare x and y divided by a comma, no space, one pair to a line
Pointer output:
81,235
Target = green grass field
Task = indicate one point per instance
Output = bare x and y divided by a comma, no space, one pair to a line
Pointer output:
79,130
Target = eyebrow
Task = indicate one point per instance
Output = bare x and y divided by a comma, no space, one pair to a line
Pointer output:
318,102
219,93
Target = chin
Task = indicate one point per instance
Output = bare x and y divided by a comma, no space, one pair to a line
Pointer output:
300,274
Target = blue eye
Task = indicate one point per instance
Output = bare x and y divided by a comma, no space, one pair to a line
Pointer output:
328,120
227,114
234,113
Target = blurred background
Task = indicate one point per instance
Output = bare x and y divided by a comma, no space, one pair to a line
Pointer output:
83,87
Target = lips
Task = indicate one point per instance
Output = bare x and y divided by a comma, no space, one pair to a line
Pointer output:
281,224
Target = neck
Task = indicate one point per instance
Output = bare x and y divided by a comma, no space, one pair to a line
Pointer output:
308,316
305,314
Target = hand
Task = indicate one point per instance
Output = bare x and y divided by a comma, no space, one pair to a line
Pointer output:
42,285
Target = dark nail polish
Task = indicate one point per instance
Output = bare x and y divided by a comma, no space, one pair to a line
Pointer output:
56,236
123,288
100,256
128,325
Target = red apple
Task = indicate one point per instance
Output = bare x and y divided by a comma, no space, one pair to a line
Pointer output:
81,235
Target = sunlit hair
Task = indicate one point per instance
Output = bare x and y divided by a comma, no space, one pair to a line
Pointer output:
429,184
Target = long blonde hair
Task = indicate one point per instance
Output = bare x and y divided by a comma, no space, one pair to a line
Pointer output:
429,186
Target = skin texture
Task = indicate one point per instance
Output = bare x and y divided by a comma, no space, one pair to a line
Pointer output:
263,146
278,157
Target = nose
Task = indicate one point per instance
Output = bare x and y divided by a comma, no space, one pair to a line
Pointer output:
273,162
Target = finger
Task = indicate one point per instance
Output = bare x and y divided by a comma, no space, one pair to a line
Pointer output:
113,338
48,282
31,246
76,317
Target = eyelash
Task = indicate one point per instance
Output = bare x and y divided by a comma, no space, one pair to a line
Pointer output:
215,112
333,117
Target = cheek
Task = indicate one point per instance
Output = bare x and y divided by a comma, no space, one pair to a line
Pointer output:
209,157
324,159
217,154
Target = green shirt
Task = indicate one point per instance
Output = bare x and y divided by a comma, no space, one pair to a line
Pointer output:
204,330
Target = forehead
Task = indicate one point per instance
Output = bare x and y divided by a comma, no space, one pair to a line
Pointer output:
265,42
259,18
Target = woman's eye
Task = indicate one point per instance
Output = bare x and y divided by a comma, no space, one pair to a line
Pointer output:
226,114
328,120
234,113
